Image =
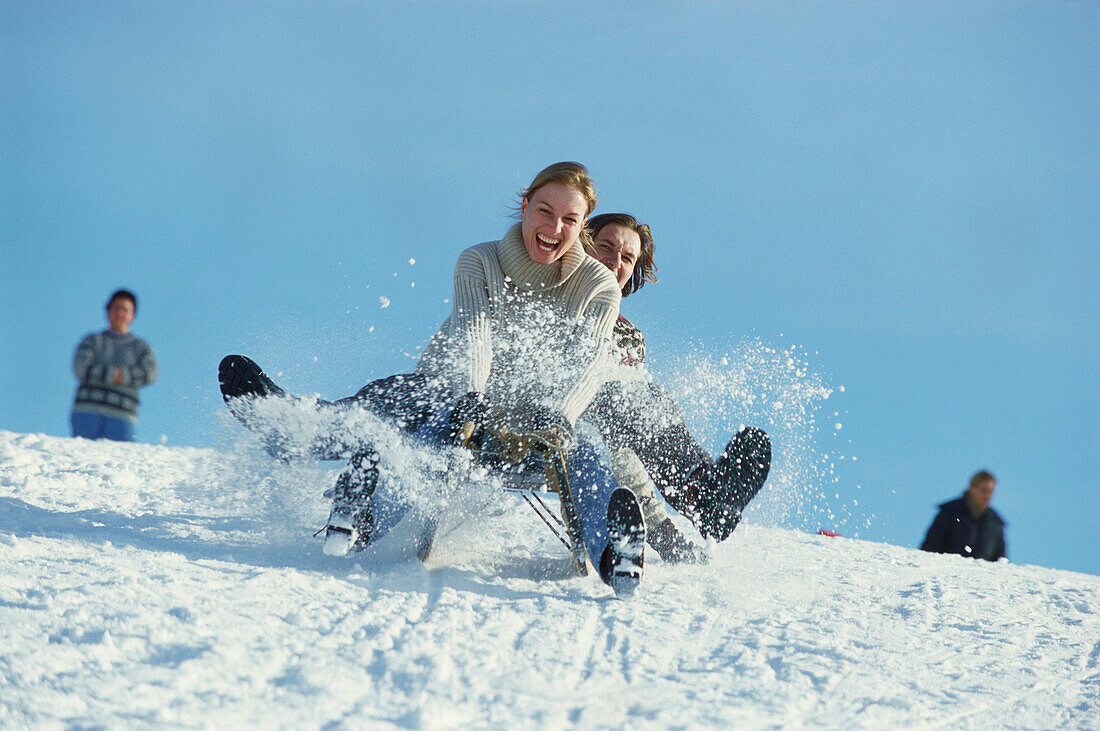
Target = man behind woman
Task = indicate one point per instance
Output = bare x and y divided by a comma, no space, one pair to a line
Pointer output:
652,448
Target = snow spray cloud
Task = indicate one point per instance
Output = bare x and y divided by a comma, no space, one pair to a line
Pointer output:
283,482
537,357
773,388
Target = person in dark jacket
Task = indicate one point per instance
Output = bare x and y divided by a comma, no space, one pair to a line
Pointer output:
967,525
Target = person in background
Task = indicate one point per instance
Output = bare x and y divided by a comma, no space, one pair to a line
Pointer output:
110,367
967,525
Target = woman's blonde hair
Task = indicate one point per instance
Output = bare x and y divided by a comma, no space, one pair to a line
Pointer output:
570,174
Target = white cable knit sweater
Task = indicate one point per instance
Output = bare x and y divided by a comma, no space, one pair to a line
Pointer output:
520,330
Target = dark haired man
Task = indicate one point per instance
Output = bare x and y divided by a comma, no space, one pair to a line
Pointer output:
967,525
111,366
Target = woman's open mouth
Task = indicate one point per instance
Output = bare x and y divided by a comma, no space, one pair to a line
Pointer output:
547,245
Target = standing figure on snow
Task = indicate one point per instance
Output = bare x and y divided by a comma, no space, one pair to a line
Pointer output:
528,335
645,430
111,366
967,525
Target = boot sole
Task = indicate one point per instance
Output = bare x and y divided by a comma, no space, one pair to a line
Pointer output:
238,375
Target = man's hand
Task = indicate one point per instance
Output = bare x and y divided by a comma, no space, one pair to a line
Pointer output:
117,376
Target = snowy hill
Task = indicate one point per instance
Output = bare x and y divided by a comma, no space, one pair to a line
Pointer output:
150,586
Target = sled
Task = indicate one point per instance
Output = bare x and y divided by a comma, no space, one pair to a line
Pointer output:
532,469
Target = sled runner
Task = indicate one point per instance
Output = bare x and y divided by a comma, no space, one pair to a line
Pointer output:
531,468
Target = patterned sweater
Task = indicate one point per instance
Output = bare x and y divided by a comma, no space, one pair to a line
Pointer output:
520,330
97,357
628,343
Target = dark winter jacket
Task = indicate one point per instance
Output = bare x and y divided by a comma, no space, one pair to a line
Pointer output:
955,531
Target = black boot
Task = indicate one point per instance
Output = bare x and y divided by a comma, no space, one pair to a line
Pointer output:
242,383
621,562
351,521
717,493
238,376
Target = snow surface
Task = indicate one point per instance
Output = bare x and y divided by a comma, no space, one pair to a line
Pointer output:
146,586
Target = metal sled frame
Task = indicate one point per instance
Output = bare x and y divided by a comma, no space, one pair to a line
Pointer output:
557,481
507,449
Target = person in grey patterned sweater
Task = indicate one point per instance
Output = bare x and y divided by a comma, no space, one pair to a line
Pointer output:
111,366
645,430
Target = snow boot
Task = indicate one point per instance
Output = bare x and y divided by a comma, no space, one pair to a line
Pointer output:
238,376
717,493
351,521
242,383
673,546
661,533
621,563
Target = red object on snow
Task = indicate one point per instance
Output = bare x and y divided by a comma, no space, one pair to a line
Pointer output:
826,532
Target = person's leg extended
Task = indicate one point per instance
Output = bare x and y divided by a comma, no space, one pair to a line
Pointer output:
644,418
406,400
713,493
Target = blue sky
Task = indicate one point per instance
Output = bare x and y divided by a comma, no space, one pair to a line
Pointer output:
904,194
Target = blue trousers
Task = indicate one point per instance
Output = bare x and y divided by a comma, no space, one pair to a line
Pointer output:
97,426
591,480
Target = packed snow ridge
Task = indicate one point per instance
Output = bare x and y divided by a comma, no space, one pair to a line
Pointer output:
149,586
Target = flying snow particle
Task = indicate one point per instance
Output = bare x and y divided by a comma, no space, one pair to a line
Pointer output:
412,261
412,284
838,426
384,301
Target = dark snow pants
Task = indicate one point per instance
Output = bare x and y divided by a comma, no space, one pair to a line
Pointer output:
643,417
